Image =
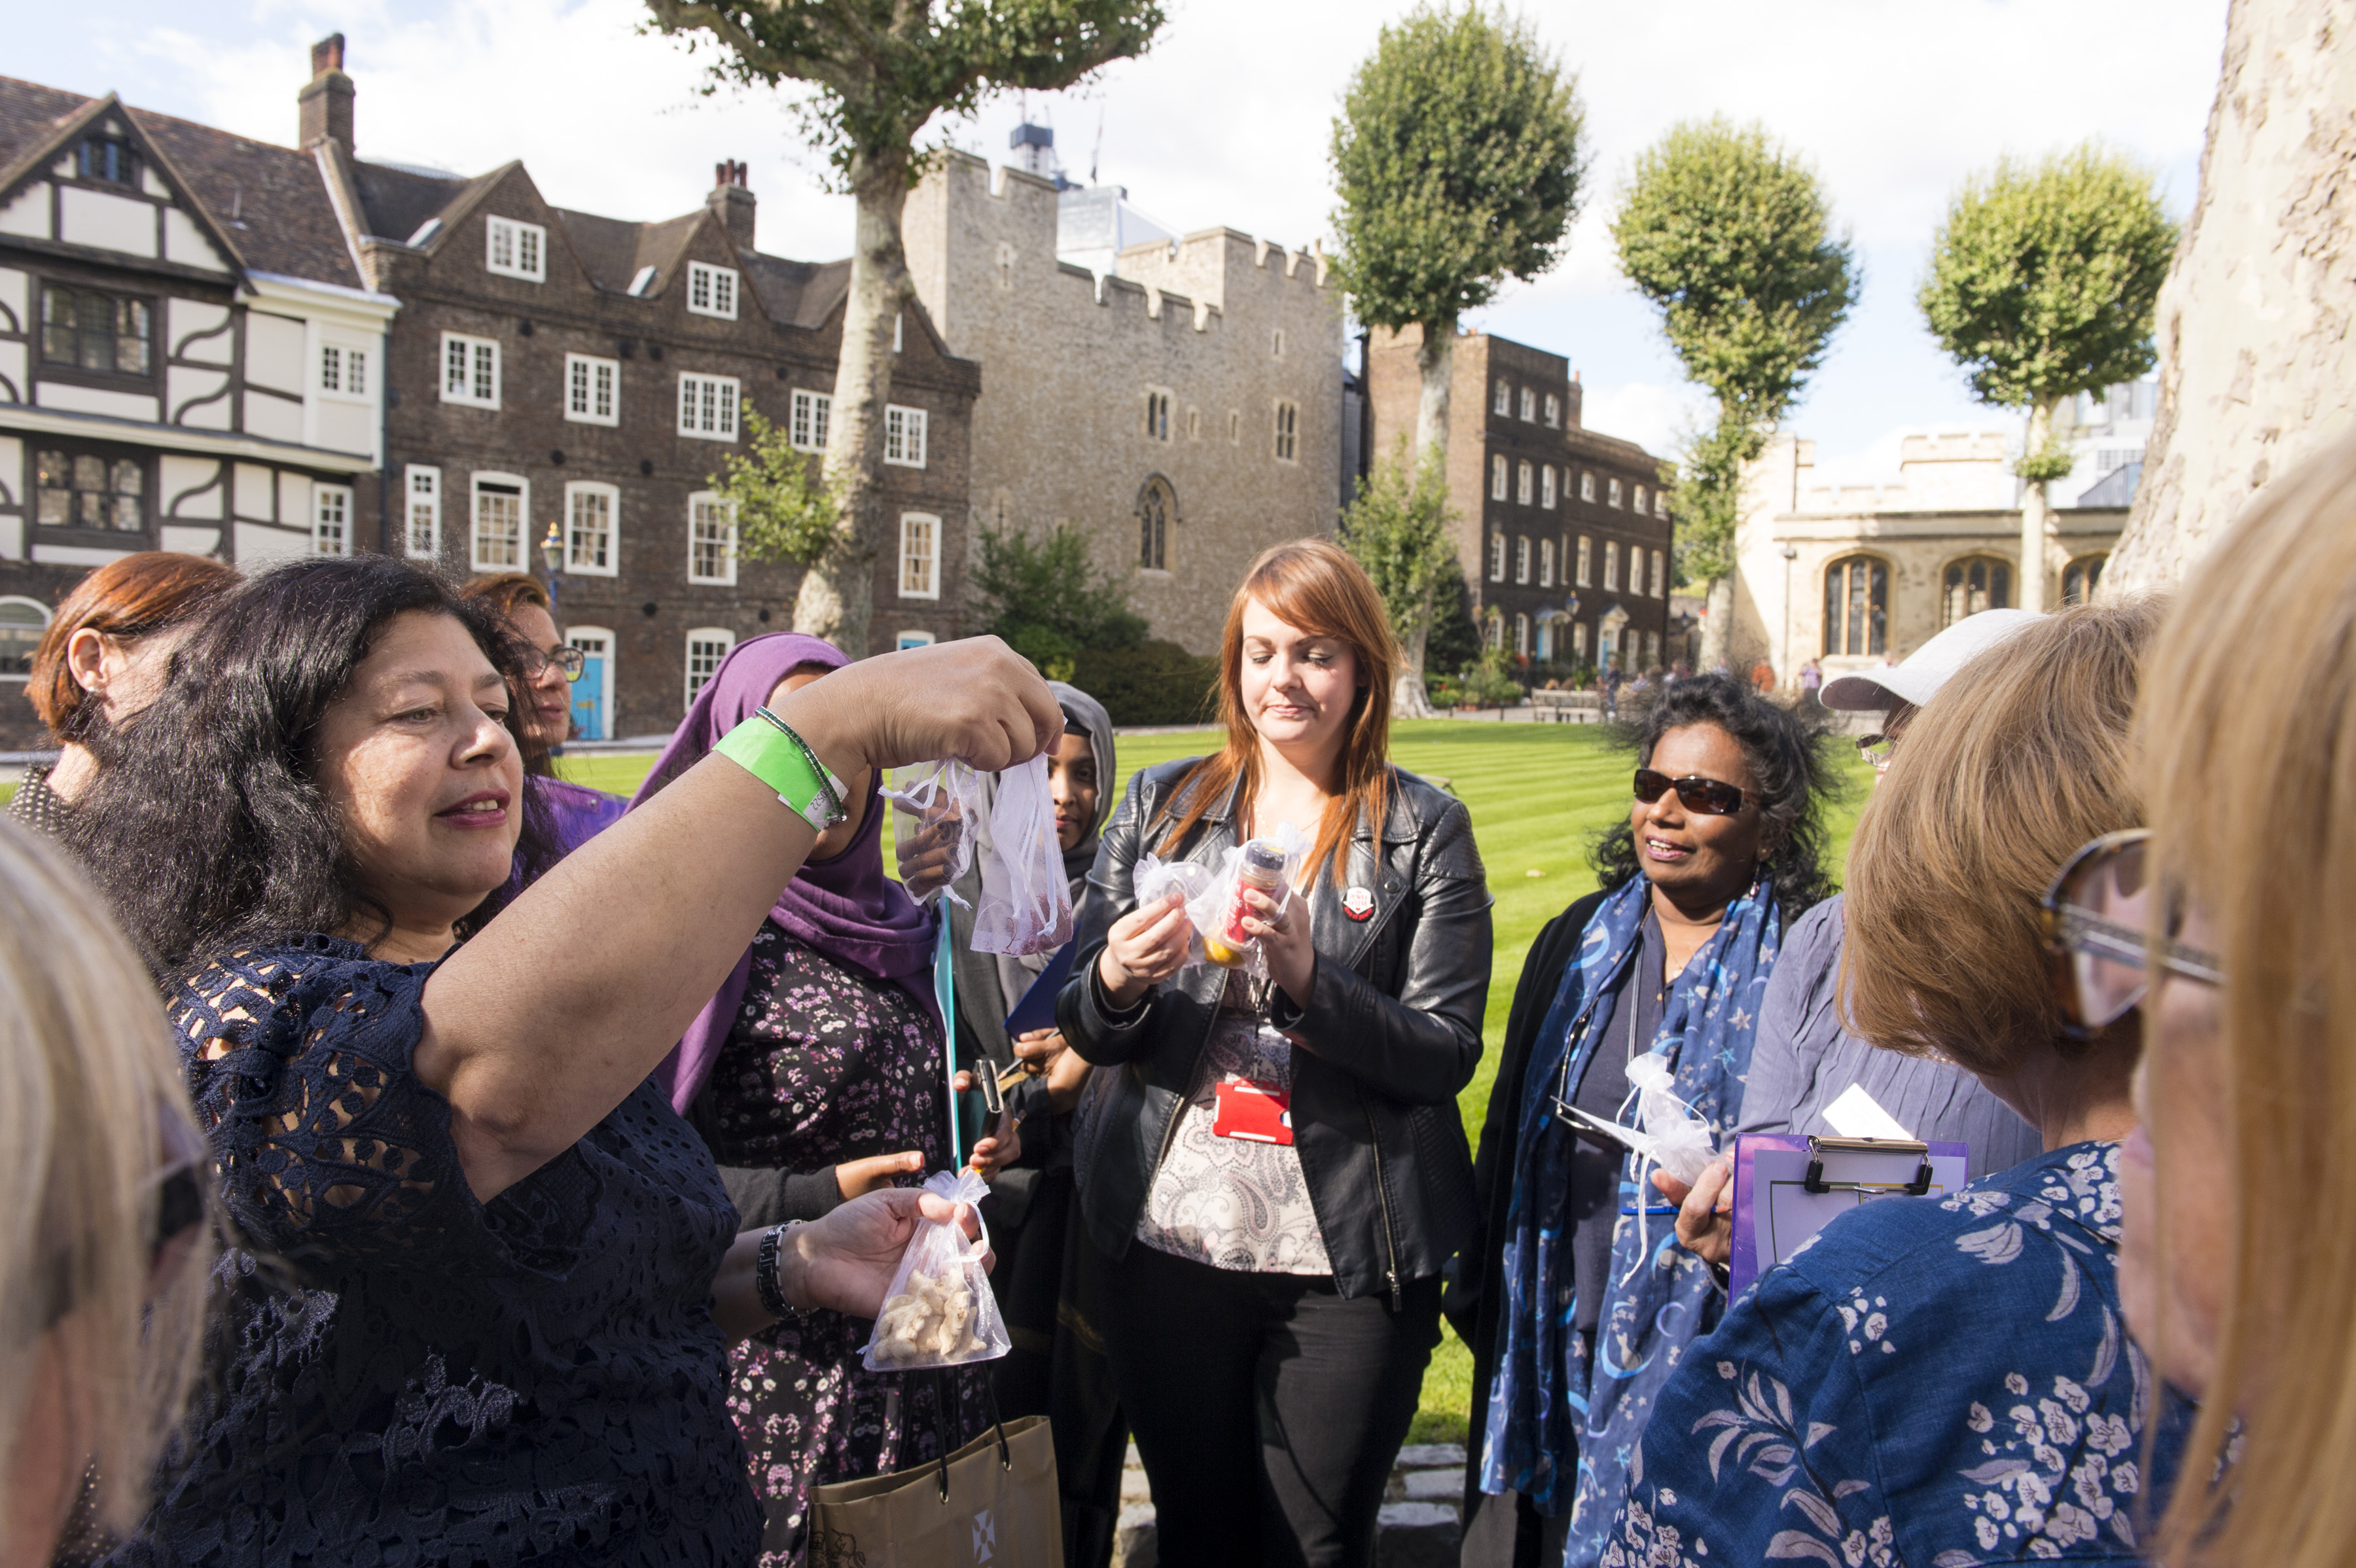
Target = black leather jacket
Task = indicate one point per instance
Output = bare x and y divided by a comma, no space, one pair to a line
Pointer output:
1390,1035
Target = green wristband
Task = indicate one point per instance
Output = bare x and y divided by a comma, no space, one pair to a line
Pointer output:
777,756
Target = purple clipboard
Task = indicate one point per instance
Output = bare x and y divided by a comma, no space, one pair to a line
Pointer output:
1789,1185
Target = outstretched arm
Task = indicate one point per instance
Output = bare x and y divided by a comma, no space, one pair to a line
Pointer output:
538,1028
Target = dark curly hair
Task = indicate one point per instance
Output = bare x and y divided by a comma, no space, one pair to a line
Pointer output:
211,829
1792,763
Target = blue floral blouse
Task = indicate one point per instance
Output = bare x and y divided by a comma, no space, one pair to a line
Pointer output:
1934,1385
407,1376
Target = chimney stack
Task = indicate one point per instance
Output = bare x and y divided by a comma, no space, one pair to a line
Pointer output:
325,102
732,201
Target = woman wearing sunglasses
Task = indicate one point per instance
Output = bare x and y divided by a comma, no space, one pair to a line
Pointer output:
1721,848
1941,1381
2238,1276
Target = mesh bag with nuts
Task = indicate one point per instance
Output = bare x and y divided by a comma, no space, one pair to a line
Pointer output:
939,1311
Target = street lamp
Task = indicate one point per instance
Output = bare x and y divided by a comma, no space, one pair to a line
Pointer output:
1791,553
551,550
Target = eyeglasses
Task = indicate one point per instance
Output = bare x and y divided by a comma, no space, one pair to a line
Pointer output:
179,1209
571,660
1708,797
1877,749
2098,940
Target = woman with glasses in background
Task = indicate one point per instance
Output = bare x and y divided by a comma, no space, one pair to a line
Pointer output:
548,666
1577,1307
1947,1380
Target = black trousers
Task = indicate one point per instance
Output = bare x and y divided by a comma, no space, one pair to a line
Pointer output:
1266,1408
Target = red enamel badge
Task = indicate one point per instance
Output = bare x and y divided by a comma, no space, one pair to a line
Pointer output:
1358,904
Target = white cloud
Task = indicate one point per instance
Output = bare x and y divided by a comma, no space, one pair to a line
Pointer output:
1656,417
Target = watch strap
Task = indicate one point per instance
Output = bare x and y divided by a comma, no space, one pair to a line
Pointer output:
763,746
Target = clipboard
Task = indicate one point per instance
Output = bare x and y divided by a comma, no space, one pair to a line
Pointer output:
1788,1186
1037,1008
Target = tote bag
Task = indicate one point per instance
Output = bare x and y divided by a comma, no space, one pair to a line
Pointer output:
991,1504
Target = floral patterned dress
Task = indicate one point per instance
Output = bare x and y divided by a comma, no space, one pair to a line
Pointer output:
826,1064
1943,1385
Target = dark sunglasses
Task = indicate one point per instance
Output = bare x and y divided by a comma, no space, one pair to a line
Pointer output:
1708,797
2098,937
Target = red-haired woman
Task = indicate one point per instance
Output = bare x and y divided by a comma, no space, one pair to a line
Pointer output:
103,660
1272,1284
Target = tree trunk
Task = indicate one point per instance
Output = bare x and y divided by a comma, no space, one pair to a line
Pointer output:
1717,624
1409,700
2257,358
2035,517
837,600
1435,357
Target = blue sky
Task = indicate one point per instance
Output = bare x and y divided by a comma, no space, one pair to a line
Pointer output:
1227,119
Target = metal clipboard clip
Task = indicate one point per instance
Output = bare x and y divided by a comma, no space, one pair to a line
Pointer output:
1819,1147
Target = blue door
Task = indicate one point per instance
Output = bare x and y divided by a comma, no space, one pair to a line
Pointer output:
589,700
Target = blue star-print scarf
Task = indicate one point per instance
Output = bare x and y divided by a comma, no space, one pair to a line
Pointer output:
1546,1403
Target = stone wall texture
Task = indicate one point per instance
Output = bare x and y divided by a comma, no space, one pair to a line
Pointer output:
2258,366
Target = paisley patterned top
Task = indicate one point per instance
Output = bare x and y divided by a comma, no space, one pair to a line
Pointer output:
1234,1203
826,1063
1935,1384
415,1376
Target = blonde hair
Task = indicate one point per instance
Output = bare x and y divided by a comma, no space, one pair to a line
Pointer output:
94,1113
2018,761
2252,712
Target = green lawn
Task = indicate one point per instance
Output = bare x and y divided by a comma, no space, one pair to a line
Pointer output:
1538,795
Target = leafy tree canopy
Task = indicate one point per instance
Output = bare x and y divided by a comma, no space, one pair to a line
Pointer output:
784,511
1397,530
1729,236
885,68
2043,277
1458,160
1049,602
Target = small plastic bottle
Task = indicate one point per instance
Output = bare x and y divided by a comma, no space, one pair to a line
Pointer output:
1261,868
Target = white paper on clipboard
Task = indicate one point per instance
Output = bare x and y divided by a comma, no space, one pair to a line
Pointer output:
1776,1213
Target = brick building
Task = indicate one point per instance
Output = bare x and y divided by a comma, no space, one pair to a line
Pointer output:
191,356
1563,532
532,371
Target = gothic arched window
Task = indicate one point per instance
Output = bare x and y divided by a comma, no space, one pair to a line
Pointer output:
1975,583
2080,578
1156,506
1857,606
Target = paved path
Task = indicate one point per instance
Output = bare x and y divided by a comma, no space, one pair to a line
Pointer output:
1419,1527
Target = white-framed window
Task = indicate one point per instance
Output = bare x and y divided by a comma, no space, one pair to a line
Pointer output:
1640,498
470,370
1505,403
711,291
1521,634
598,644
1288,432
331,519
899,331
1612,492
1525,482
592,528
904,435
1522,558
1660,575
904,640
344,372
22,622
1529,405
1587,487
422,515
1497,557
706,647
1497,476
707,406
1611,564
592,390
1660,505
1157,415
516,250
1546,486
496,542
1586,560
1553,411
710,539
920,555
813,411
1545,563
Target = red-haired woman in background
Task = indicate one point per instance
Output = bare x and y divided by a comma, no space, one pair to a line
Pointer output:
103,660
1272,1291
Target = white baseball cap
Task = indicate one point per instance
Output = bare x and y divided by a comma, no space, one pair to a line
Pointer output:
1918,680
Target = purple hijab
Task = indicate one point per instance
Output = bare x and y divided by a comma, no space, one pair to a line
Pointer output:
844,907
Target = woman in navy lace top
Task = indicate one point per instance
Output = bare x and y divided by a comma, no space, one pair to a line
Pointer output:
488,1277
